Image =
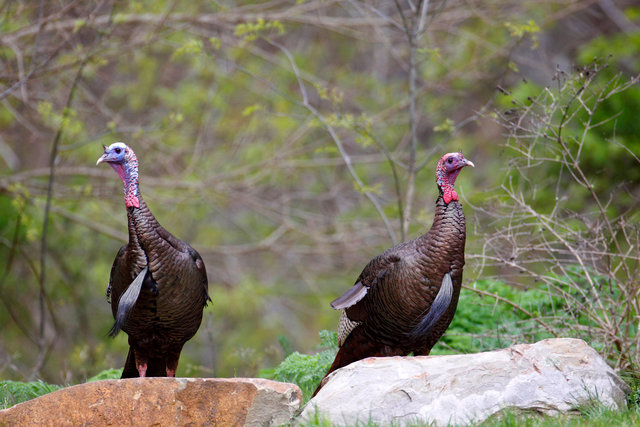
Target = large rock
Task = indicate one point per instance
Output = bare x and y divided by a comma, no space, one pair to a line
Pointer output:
162,401
551,376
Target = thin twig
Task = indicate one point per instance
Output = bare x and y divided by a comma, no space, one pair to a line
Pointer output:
337,141
42,350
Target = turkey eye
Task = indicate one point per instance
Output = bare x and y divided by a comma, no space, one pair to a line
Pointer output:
450,160
118,150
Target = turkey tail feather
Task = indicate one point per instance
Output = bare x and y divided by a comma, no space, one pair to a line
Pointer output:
352,296
439,306
127,301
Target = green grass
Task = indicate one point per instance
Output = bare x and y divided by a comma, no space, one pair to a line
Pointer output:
14,392
109,374
597,417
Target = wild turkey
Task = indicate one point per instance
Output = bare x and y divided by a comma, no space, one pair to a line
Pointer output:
158,285
405,298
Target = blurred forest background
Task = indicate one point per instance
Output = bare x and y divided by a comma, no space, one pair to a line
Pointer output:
290,142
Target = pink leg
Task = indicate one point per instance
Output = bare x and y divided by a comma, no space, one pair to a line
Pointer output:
171,364
142,370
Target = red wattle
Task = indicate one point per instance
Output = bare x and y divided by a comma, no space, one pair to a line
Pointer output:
448,196
130,201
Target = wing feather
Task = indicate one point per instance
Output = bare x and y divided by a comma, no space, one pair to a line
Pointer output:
439,306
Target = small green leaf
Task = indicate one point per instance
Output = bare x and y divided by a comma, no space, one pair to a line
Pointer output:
192,46
330,149
78,23
216,43
250,110
434,53
249,31
372,189
448,126
364,140
519,31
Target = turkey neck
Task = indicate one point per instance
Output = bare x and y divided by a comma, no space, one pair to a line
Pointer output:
446,238
144,239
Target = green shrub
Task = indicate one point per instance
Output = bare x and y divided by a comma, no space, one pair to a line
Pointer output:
306,370
107,374
483,323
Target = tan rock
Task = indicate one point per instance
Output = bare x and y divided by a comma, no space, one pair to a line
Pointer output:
161,402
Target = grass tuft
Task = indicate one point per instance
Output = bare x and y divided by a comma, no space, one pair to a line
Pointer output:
14,392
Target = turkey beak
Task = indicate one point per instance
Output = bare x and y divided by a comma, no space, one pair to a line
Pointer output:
469,163
101,159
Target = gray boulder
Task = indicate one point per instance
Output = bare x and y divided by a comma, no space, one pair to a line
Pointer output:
550,377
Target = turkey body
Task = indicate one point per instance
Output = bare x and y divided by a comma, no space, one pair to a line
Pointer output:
168,311
158,285
402,284
406,297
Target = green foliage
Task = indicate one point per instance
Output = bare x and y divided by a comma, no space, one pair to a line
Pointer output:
568,146
595,126
107,374
286,345
307,370
191,46
251,30
600,417
448,126
483,323
519,31
13,392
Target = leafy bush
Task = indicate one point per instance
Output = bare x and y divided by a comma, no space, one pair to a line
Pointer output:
483,321
306,370
555,227
107,374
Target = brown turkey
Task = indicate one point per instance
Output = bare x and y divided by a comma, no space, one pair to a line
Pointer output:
158,285
405,298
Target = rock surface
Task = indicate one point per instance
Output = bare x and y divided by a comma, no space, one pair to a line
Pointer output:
551,376
162,401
